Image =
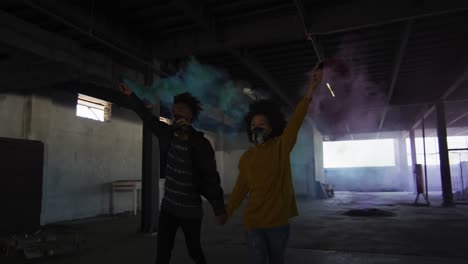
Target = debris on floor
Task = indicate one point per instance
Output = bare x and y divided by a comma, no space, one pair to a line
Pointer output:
369,212
46,242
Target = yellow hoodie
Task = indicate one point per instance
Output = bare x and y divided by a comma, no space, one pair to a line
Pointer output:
265,173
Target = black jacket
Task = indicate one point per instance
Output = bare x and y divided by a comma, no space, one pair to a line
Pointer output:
205,173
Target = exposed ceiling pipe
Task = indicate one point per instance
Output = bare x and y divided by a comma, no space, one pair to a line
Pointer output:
396,69
255,12
391,21
300,12
458,82
90,34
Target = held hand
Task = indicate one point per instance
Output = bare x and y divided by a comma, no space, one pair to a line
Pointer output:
222,219
316,78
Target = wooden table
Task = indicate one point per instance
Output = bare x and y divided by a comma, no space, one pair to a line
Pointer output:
125,186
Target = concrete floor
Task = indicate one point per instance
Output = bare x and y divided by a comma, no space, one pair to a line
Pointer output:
322,234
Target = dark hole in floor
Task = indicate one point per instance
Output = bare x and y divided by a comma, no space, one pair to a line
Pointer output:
369,212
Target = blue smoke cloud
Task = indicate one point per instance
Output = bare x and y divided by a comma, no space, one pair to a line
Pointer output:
210,85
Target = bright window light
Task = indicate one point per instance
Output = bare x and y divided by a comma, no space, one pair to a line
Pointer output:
93,108
359,153
432,150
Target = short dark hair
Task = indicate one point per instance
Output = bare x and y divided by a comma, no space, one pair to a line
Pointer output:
272,111
191,101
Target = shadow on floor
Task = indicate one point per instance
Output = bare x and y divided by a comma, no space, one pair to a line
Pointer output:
322,234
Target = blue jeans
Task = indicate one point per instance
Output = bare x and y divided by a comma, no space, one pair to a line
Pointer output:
267,245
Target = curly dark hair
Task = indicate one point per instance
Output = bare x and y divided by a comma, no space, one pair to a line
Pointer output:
191,101
272,111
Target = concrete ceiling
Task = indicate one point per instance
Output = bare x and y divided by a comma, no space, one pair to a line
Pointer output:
414,51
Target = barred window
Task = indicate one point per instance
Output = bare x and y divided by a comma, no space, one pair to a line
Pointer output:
93,108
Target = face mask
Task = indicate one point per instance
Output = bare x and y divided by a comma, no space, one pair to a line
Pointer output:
260,135
181,124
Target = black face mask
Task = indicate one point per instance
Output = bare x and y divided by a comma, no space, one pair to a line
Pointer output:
181,124
260,135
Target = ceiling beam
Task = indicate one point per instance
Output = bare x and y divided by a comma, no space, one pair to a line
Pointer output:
148,12
458,118
286,28
93,26
297,67
272,7
197,15
306,21
456,84
354,17
22,35
400,54
249,62
68,60
131,46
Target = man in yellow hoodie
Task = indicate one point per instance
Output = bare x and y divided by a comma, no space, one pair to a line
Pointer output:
265,174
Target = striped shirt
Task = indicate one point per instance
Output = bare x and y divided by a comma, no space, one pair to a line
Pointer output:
181,194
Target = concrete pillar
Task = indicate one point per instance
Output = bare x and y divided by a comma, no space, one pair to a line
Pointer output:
316,170
402,162
444,155
426,184
155,176
150,173
413,156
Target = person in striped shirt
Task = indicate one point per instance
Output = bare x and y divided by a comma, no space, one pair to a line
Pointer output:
188,164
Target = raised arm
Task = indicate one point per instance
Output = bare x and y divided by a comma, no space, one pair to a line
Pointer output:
292,129
143,111
316,78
